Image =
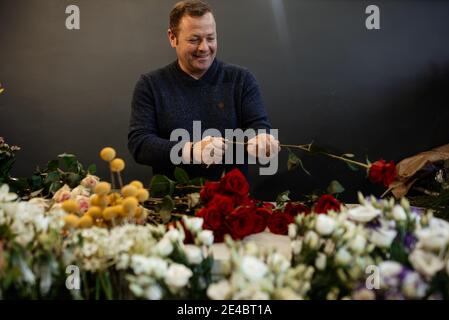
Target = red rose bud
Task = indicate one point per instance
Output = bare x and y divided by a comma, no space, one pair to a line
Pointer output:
213,218
209,190
295,208
278,223
224,204
325,203
241,222
382,172
234,182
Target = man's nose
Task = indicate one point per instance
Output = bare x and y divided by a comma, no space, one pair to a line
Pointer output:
203,46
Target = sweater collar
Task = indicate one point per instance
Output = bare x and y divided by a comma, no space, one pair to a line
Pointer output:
188,79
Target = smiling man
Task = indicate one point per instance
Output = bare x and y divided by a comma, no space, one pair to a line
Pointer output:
197,88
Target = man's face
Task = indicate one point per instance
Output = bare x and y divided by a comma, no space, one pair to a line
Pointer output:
196,43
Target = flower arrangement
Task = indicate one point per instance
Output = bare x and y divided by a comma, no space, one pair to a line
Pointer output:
7,158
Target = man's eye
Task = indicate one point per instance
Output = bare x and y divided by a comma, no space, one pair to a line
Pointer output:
193,40
211,39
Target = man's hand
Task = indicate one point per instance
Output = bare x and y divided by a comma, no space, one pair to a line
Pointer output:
208,151
263,145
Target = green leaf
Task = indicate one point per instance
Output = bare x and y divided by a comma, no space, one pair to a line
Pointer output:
181,175
161,186
198,182
52,177
347,155
36,182
167,207
55,186
53,165
294,161
92,169
282,198
335,187
351,166
73,179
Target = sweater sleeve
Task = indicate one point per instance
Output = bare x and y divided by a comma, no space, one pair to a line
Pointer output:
254,114
144,143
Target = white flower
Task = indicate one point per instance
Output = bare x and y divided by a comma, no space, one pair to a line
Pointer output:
382,237
311,239
90,182
320,261
413,286
425,262
296,246
219,291
62,194
193,224
174,235
343,257
364,294
80,191
194,254
389,269
5,195
253,269
435,236
278,262
399,213
83,203
206,237
363,213
153,292
177,276
325,225
193,199
292,230
358,244
164,247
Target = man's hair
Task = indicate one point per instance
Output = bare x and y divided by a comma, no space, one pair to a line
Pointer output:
193,8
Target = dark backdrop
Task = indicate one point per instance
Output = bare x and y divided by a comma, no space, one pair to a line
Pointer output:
323,75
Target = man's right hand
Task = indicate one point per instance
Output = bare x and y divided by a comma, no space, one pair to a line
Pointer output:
208,151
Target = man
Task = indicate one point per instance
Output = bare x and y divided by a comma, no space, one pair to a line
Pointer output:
196,87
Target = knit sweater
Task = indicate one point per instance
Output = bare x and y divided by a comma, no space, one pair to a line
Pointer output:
225,97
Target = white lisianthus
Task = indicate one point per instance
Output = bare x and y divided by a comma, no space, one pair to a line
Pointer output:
364,213
153,292
296,246
292,230
320,261
426,263
399,213
164,247
278,262
311,239
193,199
343,257
325,225
253,269
174,235
219,291
206,237
389,269
194,224
413,286
177,276
5,195
358,244
194,254
382,237
435,236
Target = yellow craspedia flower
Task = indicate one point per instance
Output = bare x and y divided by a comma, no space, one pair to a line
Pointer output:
70,206
129,191
117,165
113,197
107,154
130,204
94,212
102,188
138,212
109,213
99,201
71,220
137,184
142,195
86,221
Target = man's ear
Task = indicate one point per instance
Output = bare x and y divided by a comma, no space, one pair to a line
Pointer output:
172,38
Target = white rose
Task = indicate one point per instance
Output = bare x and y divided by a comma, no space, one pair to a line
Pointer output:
177,276
253,269
80,191
325,225
399,213
219,291
425,262
358,244
164,247
194,254
363,213
90,182
320,261
153,292
343,257
62,194
382,237
206,237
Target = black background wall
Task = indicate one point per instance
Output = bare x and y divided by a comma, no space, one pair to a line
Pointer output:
323,75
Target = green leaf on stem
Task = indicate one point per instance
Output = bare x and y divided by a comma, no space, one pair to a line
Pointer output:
52,177
294,161
282,198
181,175
167,207
161,186
351,166
335,187
92,169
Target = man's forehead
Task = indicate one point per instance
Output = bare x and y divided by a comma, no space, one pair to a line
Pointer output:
204,25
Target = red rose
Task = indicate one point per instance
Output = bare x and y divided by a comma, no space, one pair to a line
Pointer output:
209,190
241,222
325,203
295,208
278,222
382,172
234,182
213,218
224,204
261,217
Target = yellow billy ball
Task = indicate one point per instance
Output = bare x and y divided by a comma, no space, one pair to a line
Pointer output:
70,206
94,212
137,184
102,188
117,165
86,221
109,213
129,191
130,204
142,195
107,154
71,220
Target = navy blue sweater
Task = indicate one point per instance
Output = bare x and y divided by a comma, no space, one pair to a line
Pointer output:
225,97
